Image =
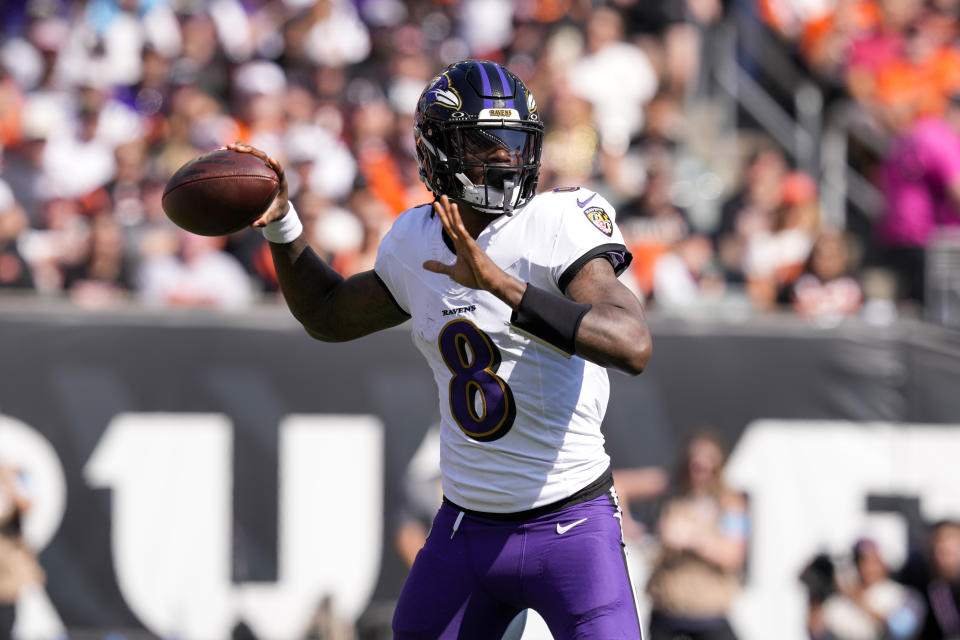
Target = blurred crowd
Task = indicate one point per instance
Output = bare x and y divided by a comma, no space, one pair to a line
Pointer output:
899,62
102,100
859,596
695,530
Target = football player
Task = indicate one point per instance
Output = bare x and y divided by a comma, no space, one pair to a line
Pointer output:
514,301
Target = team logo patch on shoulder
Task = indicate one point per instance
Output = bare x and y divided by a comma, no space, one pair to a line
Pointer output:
599,218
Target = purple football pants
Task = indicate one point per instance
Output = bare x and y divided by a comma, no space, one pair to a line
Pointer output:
471,579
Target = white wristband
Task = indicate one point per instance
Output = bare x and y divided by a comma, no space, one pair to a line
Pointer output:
284,230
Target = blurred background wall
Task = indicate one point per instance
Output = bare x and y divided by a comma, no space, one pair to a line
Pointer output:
191,472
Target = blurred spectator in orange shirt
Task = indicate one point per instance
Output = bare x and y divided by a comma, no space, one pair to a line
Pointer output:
924,77
372,127
652,225
826,41
11,106
774,259
878,43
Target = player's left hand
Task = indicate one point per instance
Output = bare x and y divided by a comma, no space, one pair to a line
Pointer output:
473,268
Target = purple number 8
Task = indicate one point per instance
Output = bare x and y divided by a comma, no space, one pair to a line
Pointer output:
480,401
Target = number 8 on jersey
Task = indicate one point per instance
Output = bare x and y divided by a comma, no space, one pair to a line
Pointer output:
480,401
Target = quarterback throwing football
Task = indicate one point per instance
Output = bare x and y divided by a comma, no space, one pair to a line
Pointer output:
515,304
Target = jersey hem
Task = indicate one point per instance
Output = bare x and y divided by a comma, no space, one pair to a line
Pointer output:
593,490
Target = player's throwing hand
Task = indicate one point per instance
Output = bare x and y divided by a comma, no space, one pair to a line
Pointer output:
278,208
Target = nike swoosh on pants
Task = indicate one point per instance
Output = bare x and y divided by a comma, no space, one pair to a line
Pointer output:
562,529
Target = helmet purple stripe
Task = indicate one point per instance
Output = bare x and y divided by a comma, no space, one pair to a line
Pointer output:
487,103
506,88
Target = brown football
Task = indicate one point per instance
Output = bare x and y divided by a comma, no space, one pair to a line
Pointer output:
220,192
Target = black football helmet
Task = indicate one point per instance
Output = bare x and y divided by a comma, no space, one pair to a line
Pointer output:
479,136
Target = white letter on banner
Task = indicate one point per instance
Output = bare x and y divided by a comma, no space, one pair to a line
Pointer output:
171,521
331,523
170,532
24,447
808,482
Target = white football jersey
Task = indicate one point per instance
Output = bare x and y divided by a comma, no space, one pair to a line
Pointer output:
521,420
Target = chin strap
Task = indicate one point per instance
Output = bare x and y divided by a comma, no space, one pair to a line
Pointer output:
509,186
464,180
